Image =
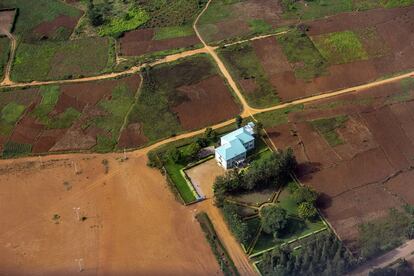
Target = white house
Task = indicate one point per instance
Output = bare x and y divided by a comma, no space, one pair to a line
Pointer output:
234,146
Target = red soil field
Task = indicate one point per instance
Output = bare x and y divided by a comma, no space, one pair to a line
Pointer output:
133,223
139,42
271,55
26,130
48,28
200,107
6,20
47,139
132,137
402,185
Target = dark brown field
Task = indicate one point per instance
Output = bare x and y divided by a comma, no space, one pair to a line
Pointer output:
140,42
201,106
47,29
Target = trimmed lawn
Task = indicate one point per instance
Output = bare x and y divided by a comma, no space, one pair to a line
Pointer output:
340,47
57,60
174,171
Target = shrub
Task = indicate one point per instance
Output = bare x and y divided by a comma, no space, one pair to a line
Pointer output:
307,210
235,222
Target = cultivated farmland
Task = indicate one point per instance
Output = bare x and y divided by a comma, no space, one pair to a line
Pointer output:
86,116
184,95
356,150
62,60
333,53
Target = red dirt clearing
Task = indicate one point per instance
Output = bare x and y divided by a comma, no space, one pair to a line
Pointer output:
26,131
6,20
207,102
139,42
271,55
134,224
132,137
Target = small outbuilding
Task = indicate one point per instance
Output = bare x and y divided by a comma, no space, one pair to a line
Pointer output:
234,146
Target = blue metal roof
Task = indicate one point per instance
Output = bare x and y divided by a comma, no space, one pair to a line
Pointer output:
231,149
240,134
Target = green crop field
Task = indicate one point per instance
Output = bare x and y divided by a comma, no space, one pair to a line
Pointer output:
340,47
60,60
173,32
10,113
244,65
327,127
298,48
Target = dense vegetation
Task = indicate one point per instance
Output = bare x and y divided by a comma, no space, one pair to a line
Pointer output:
321,255
116,17
274,169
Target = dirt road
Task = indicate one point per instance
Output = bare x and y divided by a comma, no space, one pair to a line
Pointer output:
13,44
401,252
132,70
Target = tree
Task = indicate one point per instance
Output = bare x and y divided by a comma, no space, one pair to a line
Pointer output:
273,218
192,150
174,155
307,210
259,128
239,121
210,135
305,194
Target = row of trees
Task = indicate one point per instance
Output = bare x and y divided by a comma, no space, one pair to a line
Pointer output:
238,227
321,255
272,170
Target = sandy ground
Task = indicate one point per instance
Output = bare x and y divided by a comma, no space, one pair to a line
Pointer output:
133,223
204,176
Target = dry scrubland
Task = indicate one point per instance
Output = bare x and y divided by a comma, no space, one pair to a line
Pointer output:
132,222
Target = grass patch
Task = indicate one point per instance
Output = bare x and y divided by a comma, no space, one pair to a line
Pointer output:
173,32
217,11
278,116
340,47
10,114
245,65
259,26
57,60
50,96
174,172
327,127
33,13
301,52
